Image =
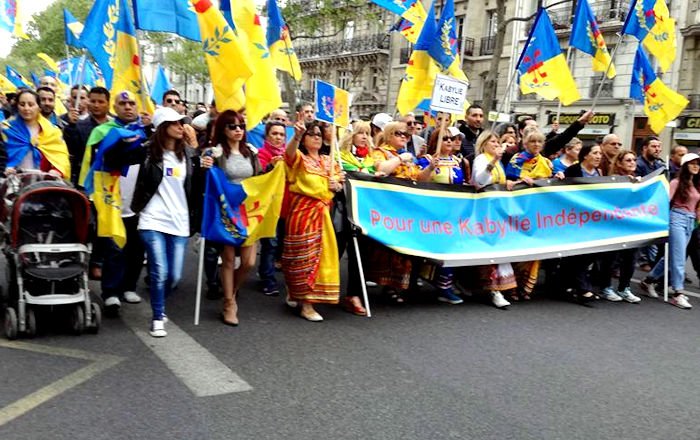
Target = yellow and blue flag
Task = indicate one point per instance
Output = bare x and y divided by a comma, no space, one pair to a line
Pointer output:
72,29
6,85
161,84
262,91
35,79
10,18
332,104
649,21
586,37
127,61
174,16
227,56
412,15
238,214
16,78
422,69
280,42
99,35
661,104
542,66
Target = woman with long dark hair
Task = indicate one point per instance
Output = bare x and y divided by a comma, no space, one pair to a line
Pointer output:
238,161
685,203
32,142
168,196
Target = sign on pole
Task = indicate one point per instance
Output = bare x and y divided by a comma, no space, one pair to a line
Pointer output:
449,94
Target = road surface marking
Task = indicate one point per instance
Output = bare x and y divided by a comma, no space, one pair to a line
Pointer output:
98,364
193,364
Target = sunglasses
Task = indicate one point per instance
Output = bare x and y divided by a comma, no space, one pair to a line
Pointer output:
629,159
234,127
410,123
172,101
401,134
449,138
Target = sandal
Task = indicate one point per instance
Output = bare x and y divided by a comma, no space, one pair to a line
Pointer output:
353,308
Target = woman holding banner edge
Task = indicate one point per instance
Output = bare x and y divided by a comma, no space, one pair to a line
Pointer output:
310,256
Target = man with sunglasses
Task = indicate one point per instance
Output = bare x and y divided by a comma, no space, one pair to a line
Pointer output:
415,143
171,99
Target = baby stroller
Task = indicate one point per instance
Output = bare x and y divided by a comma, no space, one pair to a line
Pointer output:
44,231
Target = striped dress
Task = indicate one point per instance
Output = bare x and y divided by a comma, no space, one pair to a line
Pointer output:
310,256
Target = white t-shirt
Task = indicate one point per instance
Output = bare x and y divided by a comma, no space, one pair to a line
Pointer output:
167,211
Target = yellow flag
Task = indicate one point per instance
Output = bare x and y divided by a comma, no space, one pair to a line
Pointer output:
49,61
262,92
417,83
263,203
661,39
107,200
6,86
226,54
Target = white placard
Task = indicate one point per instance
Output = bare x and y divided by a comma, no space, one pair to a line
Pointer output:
449,94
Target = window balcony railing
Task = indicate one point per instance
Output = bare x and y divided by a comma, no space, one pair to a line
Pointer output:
468,47
605,11
487,45
343,47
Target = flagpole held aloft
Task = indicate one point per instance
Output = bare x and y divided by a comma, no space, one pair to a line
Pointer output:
621,37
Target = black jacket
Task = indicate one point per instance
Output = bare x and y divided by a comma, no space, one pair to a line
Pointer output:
151,175
76,137
469,141
575,171
554,144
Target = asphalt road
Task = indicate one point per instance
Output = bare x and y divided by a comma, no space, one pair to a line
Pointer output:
540,370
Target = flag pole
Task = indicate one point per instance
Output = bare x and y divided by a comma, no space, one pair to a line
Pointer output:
568,64
507,92
200,269
607,69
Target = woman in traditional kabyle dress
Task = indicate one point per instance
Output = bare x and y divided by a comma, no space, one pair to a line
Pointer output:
310,257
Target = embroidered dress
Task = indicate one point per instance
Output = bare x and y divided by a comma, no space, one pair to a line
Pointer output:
357,160
447,171
403,171
310,256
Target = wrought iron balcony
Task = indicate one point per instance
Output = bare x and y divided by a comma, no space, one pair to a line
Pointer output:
369,43
468,47
694,99
487,45
605,11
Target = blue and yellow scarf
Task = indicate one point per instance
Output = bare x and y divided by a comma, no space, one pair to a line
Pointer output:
48,144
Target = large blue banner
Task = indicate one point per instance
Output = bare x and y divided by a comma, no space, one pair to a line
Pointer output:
461,227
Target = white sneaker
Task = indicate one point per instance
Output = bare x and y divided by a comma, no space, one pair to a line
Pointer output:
649,289
132,297
681,301
609,294
628,296
498,300
158,329
113,303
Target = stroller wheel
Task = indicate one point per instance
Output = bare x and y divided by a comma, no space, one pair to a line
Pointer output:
31,323
96,318
10,323
78,320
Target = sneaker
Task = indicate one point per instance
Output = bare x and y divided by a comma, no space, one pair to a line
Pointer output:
681,301
158,329
609,294
112,304
132,297
648,287
271,291
628,296
449,297
498,300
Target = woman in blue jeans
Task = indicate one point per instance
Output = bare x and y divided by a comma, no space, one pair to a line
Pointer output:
685,197
167,197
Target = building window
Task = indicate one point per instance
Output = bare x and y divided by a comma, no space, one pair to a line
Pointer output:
344,78
374,80
491,23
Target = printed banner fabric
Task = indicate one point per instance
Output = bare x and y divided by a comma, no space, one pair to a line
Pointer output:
460,227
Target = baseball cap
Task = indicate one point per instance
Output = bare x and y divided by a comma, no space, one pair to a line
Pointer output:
454,132
166,114
381,119
688,158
